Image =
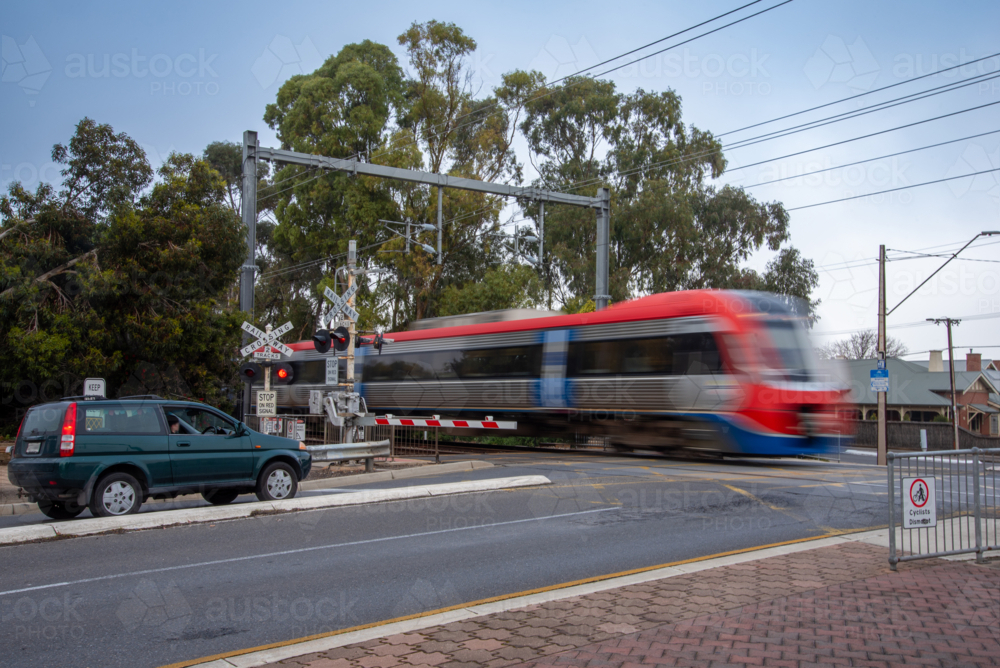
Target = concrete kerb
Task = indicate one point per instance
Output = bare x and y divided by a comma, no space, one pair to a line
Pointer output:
8,509
261,657
215,514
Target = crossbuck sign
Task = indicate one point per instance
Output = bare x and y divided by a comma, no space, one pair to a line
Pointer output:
340,303
265,341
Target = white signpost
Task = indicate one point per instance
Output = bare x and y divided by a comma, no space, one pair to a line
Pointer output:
267,399
919,509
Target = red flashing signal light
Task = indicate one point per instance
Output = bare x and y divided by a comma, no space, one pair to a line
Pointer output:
283,373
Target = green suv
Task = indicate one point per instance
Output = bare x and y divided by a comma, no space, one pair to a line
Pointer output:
111,455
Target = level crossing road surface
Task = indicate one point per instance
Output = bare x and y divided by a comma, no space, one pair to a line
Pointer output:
155,597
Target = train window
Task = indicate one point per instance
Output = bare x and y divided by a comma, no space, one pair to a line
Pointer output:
313,372
522,361
683,354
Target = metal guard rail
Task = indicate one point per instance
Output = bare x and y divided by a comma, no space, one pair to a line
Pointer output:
966,500
340,452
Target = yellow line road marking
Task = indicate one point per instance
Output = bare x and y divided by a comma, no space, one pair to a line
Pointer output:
494,599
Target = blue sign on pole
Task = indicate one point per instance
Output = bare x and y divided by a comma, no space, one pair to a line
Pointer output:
880,380
881,364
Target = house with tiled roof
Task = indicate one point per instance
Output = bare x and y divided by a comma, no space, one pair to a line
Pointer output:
921,392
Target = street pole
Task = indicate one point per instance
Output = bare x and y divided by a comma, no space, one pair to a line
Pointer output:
248,211
603,232
951,372
882,444
954,403
440,228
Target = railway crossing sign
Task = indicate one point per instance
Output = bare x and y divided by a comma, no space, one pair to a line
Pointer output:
340,303
919,509
265,340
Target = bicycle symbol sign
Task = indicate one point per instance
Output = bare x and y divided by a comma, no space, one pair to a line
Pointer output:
919,510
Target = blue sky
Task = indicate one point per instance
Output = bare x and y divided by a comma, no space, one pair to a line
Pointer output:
182,75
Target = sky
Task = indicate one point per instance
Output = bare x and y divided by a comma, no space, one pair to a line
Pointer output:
178,76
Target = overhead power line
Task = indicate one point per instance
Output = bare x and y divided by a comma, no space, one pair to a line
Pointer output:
853,97
881,157
892,190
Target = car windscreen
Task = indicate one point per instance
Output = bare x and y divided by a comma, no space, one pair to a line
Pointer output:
43,421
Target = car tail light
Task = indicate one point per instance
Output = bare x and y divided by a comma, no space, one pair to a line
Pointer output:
67,442
20,427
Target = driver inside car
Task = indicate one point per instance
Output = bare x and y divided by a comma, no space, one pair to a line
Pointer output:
173,423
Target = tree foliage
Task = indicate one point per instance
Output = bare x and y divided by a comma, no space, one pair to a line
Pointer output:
109,278
862,345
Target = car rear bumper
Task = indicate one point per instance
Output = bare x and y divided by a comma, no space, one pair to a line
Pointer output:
47,478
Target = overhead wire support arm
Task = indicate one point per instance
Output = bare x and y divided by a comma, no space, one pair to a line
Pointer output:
428,178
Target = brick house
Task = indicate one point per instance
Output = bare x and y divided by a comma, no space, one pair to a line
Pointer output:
921,392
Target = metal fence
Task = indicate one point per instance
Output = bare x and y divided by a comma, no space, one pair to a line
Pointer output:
963,498
311,429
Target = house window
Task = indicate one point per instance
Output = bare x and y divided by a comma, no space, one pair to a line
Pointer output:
994,425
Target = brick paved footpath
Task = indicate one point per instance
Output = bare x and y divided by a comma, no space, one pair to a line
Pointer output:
835,605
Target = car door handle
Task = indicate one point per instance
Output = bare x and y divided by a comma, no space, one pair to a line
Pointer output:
183,445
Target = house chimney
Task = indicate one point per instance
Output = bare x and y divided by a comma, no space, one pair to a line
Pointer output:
936,363
974,361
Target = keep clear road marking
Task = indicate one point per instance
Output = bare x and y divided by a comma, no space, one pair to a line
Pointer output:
296,551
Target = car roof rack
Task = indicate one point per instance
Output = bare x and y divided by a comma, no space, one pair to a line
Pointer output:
143,396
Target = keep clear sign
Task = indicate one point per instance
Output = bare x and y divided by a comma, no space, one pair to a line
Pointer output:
919,510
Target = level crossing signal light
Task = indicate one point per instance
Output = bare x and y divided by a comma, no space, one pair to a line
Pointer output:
250,372
322,341
338,338
283,373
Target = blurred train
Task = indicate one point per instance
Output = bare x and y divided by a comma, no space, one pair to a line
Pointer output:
727,372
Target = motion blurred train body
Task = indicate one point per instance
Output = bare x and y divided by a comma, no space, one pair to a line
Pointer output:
728,372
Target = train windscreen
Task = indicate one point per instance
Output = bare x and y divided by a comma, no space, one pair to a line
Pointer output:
786,348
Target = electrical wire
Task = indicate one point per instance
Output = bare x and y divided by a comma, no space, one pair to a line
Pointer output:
892,190
852,97
861,162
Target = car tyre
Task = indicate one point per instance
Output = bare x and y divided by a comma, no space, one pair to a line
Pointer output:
60,510
277,482
116,494
220,497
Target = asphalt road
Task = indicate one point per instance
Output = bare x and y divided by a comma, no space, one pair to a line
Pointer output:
154,597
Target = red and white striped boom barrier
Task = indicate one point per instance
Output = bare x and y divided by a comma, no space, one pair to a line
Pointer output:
432,422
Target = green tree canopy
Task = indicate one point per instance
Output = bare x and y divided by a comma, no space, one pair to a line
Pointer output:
129,285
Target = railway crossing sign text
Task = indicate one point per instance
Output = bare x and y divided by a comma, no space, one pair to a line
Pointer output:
919,509
269,339
267,403
340,303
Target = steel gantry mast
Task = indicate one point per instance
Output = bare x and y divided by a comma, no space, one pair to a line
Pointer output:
252,152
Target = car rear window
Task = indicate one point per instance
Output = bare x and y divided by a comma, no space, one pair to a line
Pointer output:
120,420
43,421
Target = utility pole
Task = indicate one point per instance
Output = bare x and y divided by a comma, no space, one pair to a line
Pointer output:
951,370
882,441
248,211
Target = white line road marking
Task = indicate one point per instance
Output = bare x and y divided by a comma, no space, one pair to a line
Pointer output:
296,551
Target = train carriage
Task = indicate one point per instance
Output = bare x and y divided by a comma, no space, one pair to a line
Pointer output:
731,372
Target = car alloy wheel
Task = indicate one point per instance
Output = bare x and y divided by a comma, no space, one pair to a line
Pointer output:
118,498
279,484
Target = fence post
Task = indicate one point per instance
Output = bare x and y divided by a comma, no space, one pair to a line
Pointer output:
893,560
977,511
392,442
437,453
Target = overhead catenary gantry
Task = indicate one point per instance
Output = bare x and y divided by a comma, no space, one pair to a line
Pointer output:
252,152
